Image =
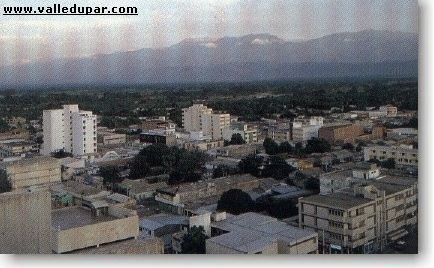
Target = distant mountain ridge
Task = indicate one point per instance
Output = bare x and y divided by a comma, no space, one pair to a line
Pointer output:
246,58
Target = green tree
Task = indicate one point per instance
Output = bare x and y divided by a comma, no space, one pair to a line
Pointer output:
194,241
312,184
5,184
251,164
270,146
281,209
277,168
139,168
237,139
315,145
389,163
235,201
285,147
220,171
110,175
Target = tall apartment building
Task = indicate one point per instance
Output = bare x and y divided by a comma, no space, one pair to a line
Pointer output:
69,129
201,118
192,117
346,133
362,219
404,157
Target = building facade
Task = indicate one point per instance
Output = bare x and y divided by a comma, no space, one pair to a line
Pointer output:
402,156
341,133
25,224
363,219
33,171
201,118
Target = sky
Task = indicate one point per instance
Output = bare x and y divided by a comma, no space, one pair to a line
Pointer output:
162,23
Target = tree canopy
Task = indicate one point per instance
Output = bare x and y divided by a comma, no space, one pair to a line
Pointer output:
194,241
235,201
182,165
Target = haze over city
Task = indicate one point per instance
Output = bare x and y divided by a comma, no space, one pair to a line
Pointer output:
25,39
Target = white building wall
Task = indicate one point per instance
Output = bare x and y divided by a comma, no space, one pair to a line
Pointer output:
69,129
53,131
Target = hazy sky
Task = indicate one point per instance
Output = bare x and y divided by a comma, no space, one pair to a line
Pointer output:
166,22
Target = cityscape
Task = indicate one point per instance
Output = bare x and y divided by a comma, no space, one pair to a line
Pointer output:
244,143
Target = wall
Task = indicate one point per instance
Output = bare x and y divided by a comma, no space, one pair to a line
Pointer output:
25,222
94,234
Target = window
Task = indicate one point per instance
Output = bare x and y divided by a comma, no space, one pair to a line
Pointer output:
336,212
360,211
335,224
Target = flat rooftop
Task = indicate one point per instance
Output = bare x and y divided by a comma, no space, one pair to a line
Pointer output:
251,232
337,200
73,217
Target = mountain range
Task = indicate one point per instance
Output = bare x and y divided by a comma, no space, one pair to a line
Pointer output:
253,57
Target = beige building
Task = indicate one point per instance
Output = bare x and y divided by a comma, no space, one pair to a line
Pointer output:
174,198
201,118
346,133
248,132
364,218
253,233
17,148
33,171
402,156
110,138
192,117
25,222
76,227
213,125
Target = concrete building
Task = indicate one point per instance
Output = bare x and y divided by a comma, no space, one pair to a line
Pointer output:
213,125
71,130
160,136
249,133
389,110
131,246
346,133
78,227
175,198
192,117
33,171
306,129
110,138
253,233
362,219
17,148
404,157
335,181
25,222
201,118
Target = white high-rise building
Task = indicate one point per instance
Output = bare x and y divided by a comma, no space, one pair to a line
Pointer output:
201,118
69,129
